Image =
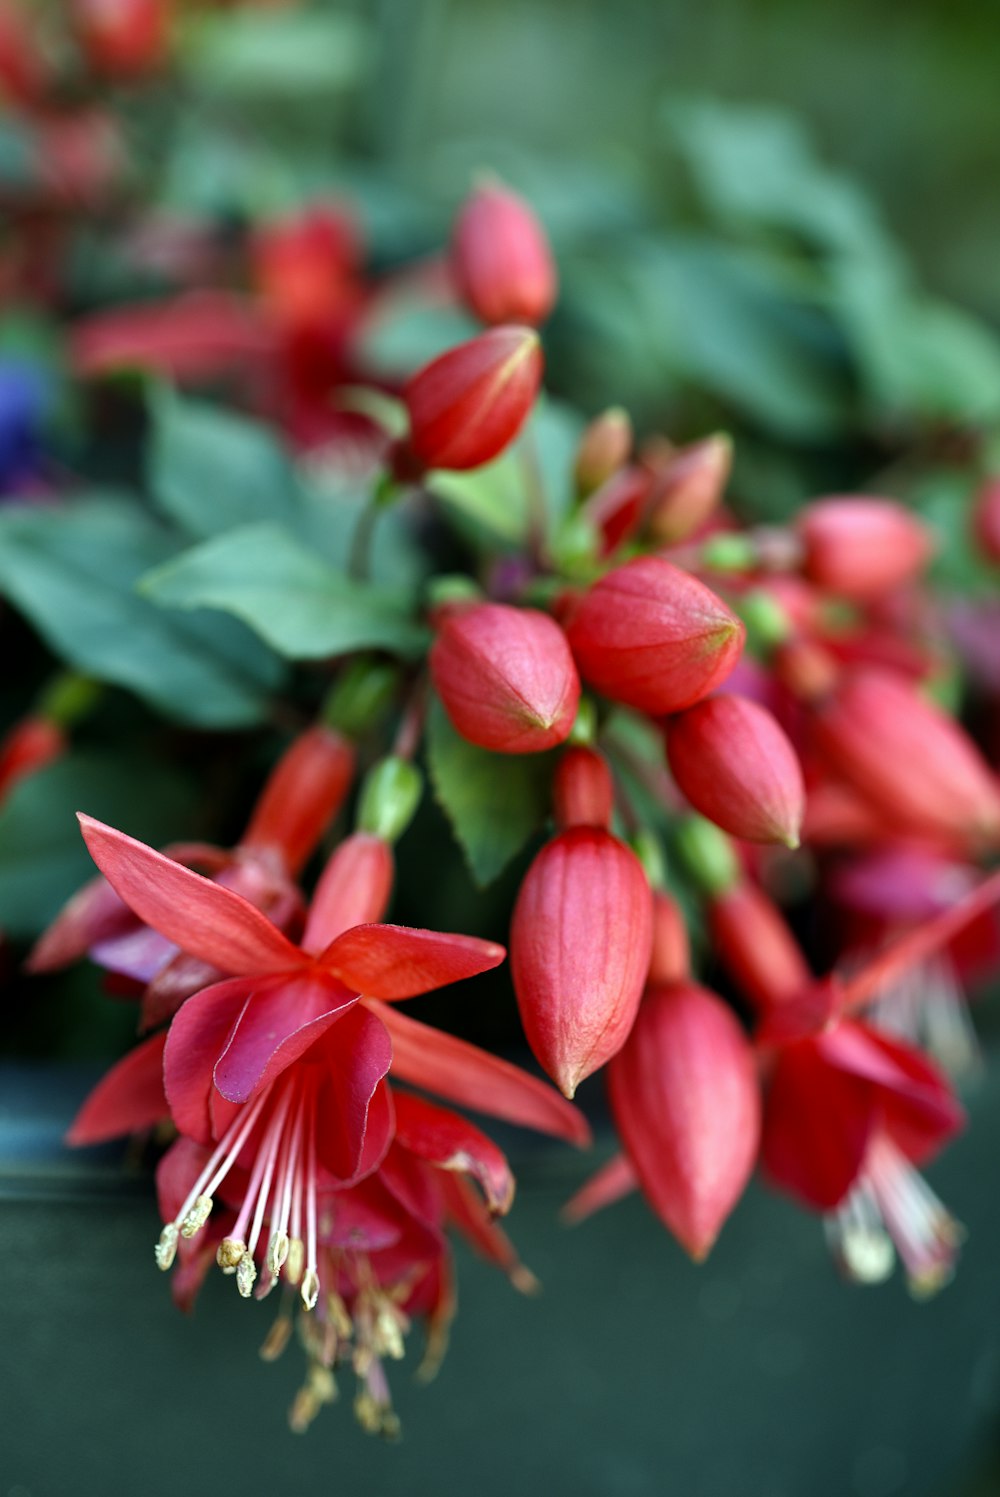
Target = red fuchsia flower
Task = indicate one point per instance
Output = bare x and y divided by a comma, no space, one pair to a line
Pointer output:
467,405
193,338
912,761
654,637
307,267
687,486
850,1114
860,547
581,935
604,448
303,794
736,766
986,520
28,746
506,677
280,1069
123,39
685,1098
501,258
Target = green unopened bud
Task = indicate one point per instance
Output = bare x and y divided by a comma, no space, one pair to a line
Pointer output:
707,855
361,696
584,729
729,553
68,698
575,547
768,625
453,588
389,797
646,846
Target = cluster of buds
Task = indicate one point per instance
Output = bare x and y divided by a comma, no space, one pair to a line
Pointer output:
710,705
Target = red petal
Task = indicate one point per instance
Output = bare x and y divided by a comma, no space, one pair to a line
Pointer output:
473,1078
916,1101
476,1225
281,1019
196,1039
818,1121
396,961
94,914
130,1097
612,1182
355,1059
202,918
447,1140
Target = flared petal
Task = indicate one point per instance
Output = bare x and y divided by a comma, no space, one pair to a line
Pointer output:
473,1078
129,1098
818,1122
195,1040
95,913
917,1104
470,1216
450,1142
355,1059
396,961
612,1182
202,918
281,1019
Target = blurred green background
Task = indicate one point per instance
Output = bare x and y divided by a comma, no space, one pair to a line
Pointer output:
774,217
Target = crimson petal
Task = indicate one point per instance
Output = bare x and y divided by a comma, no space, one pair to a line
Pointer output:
818,1122
281,1019
473,1078
396,961
448,1141
130,1097
195,1040
355,1060
202,918
612,1182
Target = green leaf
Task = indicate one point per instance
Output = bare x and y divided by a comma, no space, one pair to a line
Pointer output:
257,56
494,802
211,469
72,572
292,598
43,858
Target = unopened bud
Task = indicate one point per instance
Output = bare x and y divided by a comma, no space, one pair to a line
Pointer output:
670,961
616,509
735,765
860,547
687,487
506,678
583,792
501,258
604,448
389,797
654,637
707,855
470,403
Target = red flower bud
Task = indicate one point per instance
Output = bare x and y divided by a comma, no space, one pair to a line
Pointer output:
757,949
583,793
687,488
654,637
122,38
305,791
616,509
580,943
27,747
686,1103
604,448
671,958
909,758
502,260
986,520
860,547
467,405
353,889
506,677
736,766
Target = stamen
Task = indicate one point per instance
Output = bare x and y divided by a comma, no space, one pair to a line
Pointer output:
166,1247
197,1216
223,1158
277,1253
295,1262
277,1338
230,1251
310,1288
246,1274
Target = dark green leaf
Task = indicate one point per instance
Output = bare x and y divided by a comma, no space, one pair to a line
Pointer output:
292,598
494,802
43,858
211,469
72,572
